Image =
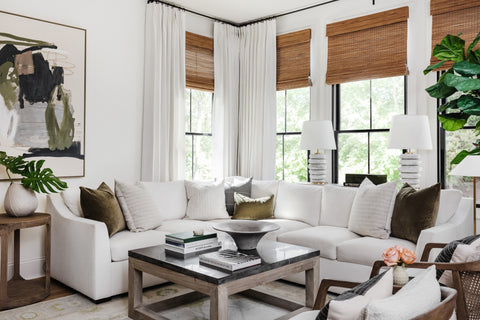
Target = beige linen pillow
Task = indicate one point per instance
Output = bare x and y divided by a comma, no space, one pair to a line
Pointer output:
206,200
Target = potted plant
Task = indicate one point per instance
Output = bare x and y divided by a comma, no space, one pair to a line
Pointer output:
460,85
20,199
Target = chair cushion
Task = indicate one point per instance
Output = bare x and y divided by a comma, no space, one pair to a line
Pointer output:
419,295
372,209
324,238
367,250
170,197
238,185
206,200
449,201
349,305
336,205
414,211
123,241
300,202
252,209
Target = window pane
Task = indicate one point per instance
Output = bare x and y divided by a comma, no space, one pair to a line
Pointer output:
295,160
383,160
387,100
298,108
352,154
202,158
188,157
355,105
279,158
201,111
187,110
472,121
281,111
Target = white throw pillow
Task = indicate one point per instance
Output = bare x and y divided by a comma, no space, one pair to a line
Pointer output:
264,188
138,207
300,202
170,198
71,198
336,205
372,209
206,200
419,295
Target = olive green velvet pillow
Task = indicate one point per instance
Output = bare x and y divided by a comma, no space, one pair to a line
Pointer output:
414,211
252,209
102,205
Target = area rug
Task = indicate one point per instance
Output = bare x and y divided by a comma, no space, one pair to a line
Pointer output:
77,307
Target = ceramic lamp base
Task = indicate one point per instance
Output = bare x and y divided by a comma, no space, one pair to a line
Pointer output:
410,169
317,168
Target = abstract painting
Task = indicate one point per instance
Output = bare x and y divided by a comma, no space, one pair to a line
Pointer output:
42,92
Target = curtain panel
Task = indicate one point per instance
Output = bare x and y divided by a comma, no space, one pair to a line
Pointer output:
163,140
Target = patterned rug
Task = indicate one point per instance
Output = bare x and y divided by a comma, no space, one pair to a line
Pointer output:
77,307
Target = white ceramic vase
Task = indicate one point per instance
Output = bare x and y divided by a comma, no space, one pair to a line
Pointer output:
20,201
400,275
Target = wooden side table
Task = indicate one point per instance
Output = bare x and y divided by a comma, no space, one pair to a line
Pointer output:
18,291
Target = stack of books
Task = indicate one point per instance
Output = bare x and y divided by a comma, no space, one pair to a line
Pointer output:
229,260
188,244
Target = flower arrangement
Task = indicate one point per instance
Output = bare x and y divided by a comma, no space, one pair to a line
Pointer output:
398,256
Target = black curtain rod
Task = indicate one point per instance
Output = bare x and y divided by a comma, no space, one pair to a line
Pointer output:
245,23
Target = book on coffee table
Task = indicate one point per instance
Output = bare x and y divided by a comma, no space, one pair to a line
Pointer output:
190,249
229,260
188,236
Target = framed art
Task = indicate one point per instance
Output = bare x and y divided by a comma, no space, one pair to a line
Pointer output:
42,92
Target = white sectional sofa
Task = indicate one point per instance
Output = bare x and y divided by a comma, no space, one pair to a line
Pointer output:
86,259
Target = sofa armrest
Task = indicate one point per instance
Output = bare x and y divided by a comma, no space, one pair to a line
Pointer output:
81,255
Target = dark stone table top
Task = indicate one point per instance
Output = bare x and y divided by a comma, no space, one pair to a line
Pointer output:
273,255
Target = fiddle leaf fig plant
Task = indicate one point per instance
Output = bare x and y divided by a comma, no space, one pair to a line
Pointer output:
459,85
41,180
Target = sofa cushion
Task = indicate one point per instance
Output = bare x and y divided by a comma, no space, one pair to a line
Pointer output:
265,188
238,185
449,201
206,200
252,209
372,209
414,211
336,205
181,225
123,241
366,250
170,197
285,226
300,202
71,198
102,205
138,207
324,238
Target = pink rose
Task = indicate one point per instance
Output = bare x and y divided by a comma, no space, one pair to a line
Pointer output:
408,256
391,256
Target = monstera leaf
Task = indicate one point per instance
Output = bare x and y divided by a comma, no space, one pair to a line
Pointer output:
41,179
13,164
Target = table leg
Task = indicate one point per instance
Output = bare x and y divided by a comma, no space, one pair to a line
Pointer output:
219,304
47,256
311,284
135,288
4,266
16,255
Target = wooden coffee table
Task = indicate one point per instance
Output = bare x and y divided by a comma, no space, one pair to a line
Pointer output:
278,261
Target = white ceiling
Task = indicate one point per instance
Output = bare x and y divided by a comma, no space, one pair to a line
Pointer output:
242,11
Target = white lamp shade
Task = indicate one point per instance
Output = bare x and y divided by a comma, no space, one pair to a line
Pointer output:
410,132
317,134
469,167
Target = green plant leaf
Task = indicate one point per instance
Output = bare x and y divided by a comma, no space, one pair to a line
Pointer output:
469,105
463,154
13,164
450,48
449,105
462,83
453,121
474,43
440,90
41,180
477,128
466,69
433,67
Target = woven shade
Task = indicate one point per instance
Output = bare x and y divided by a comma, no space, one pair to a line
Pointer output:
199,62
368,47
454,17
293,60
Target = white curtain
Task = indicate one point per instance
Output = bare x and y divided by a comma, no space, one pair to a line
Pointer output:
257,101
163,145
225,106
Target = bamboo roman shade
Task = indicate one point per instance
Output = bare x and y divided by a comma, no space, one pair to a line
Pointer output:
293,60
199,62
454,17
368,47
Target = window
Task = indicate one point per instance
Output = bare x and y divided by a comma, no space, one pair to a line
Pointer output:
293,107
198,135
363,113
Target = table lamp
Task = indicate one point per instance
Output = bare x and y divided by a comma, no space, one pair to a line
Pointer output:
317,136
470,167
410,132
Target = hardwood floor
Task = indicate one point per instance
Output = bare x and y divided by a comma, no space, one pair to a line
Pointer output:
59,290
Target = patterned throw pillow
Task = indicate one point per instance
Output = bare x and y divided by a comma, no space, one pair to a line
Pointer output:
349,304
